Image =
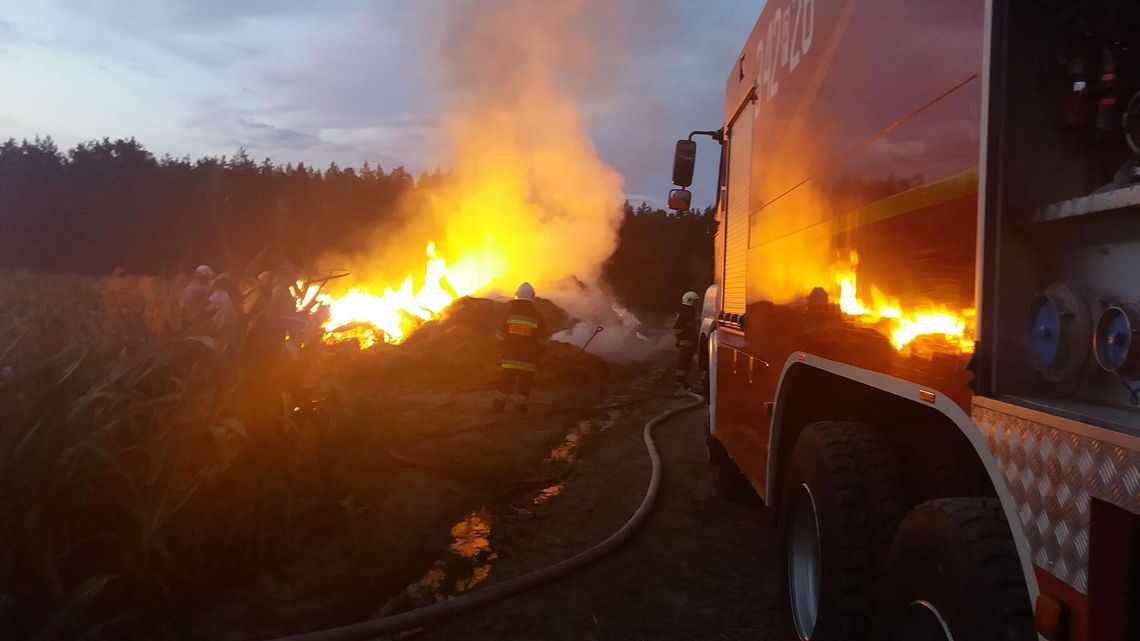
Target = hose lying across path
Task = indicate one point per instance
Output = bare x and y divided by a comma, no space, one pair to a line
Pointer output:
499,591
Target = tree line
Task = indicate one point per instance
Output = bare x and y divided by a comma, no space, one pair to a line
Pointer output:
660,256
107,205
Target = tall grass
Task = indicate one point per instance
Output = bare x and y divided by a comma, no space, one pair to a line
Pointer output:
53,311
140,468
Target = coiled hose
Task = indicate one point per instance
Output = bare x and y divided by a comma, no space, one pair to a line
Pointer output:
433,613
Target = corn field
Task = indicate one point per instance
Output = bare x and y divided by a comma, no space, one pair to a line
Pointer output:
52,311
142,466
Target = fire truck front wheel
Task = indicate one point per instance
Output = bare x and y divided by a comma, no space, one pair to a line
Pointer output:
953,575
841,501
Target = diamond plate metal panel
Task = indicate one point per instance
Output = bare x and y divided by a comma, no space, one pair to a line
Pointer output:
1051,474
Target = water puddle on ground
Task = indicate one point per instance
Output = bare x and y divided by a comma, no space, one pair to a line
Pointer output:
548,493
468,564
564,453
470,554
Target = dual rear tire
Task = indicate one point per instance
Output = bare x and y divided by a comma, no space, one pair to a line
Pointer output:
953,574
862,565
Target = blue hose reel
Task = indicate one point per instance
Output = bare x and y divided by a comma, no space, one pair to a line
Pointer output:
1116,341
1057,339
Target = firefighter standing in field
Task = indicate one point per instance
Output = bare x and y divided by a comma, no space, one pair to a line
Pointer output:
685,331
522,337
225,309
264,333
195,295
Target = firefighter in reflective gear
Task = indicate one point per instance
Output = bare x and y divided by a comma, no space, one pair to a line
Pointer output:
685,331
522,338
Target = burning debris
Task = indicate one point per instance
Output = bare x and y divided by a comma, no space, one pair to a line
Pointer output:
389,317
460,348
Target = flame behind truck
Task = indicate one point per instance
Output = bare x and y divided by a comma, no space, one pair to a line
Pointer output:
923,344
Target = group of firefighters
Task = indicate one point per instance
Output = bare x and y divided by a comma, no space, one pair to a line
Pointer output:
217,301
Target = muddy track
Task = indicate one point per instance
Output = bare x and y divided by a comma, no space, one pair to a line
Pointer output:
702,568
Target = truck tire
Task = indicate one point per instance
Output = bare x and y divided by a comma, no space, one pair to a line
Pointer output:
953,575
841,502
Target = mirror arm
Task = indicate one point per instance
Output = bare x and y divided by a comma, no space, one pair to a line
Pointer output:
717,135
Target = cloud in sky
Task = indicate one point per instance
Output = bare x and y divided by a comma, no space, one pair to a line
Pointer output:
7,33
344,80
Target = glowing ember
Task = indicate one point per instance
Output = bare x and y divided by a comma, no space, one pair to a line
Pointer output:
394,314
955,328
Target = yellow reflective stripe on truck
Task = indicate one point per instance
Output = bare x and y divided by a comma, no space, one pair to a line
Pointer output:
955,186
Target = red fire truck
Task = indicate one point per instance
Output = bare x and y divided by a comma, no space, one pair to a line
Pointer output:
923,349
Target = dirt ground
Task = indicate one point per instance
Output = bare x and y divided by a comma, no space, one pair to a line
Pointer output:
701,567
418,469
442,497
425,462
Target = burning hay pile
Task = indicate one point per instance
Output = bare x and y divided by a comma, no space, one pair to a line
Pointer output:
461,347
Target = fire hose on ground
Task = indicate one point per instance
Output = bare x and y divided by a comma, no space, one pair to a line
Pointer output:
434,613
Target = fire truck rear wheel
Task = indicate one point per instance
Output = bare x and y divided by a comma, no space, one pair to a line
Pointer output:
953,575
841,502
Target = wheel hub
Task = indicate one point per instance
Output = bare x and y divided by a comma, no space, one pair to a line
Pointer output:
923,622
804,563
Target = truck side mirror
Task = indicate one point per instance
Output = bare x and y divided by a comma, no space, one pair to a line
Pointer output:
680,199
684,159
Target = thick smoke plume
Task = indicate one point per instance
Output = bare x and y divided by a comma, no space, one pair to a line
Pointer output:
527,197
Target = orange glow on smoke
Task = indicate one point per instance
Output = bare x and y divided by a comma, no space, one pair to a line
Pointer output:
525,197
904,325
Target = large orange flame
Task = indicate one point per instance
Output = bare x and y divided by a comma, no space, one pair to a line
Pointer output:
394,314
955,329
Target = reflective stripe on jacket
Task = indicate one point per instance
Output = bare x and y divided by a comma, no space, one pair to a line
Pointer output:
522,336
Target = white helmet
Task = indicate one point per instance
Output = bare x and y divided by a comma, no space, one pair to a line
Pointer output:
525,292
203,270
689,298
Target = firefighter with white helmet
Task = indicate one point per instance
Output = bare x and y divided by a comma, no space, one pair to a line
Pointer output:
685,332
195,294
522,339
